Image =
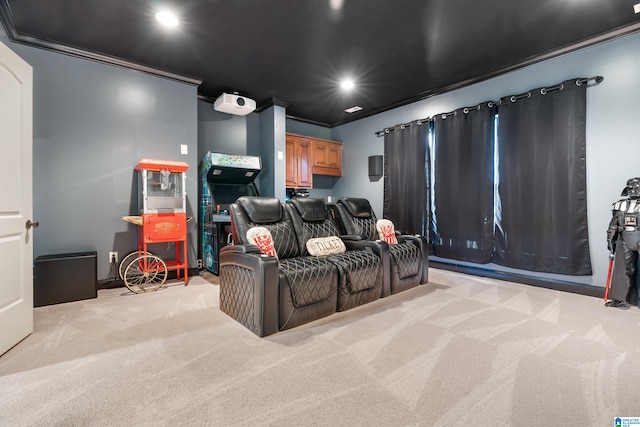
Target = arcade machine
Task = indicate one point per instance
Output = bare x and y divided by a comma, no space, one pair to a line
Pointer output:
225,177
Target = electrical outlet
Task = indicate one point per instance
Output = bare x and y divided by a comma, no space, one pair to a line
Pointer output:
199,263
113,257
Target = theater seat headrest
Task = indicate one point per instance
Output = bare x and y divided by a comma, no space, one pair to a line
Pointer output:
310,209
261,210
358,208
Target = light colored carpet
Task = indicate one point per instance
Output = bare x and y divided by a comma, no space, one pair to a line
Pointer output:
459,351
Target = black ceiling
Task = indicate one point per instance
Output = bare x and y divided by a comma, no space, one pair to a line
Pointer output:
295,51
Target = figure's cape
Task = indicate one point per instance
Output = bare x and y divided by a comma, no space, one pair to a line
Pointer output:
619,283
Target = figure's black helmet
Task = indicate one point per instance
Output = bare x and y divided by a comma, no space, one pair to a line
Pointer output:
632,190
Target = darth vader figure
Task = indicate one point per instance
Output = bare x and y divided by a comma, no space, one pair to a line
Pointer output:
623,239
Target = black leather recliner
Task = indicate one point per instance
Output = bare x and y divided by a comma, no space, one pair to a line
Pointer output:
408,259
267,294
361,271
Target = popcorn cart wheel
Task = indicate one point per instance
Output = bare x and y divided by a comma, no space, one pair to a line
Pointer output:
127,260
146,273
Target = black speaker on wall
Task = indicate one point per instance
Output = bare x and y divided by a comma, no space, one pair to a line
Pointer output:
376,167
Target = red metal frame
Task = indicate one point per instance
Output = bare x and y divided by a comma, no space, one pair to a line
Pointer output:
166,228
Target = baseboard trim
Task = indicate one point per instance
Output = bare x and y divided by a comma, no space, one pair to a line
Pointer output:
558,285
119,283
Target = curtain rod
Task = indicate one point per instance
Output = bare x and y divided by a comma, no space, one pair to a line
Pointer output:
402,126
467,110
545,90
597,79
513,98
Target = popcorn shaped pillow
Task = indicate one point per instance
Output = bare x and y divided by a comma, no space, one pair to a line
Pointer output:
386,231
261,237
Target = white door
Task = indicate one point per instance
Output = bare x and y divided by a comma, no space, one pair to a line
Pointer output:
16,245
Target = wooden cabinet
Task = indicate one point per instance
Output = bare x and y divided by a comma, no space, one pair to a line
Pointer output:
306,156
298,162
327,158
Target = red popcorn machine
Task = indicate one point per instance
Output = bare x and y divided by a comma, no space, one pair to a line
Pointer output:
162,218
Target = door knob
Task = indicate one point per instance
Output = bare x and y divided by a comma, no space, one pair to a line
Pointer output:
33,224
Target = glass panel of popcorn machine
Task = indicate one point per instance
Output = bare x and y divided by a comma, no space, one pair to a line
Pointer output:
164,191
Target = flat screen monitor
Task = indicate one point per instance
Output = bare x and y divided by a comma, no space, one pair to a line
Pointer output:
224,194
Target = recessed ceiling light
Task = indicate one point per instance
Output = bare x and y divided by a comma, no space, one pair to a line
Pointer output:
167,18
347,84
353,109
336,4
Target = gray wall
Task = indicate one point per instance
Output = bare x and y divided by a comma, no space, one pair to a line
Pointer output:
308,129
92,124
613,151
221,132
272,152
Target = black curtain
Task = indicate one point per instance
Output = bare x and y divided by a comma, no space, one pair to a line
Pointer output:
463,182
405,177
542,218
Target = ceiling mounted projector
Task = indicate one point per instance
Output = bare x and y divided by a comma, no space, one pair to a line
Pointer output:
234,104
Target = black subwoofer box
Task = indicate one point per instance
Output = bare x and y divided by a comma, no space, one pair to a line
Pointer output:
64,278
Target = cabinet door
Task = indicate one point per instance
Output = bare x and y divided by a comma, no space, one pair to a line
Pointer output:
291,163
334,156
327,158
320,154
304,173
